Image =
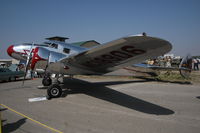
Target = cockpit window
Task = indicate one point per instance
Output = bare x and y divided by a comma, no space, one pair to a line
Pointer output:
66,50
43,45
53,45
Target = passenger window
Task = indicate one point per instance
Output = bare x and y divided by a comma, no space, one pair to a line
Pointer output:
66,50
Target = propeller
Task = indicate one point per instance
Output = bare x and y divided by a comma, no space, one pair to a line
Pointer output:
185,66
28,62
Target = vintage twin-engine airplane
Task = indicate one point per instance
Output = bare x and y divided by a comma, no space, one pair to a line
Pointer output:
69,59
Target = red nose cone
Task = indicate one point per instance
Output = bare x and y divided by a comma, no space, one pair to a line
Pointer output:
10,50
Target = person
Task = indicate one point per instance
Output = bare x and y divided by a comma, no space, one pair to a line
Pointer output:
196,64
149,62
161,62
168,61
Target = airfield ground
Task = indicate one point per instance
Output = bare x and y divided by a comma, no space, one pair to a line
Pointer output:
102,105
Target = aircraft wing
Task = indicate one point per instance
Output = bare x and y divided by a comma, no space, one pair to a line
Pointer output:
116,54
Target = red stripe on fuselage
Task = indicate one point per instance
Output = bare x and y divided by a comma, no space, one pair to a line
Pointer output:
35,58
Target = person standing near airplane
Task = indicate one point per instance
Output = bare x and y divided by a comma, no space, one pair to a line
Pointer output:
168,61
196,64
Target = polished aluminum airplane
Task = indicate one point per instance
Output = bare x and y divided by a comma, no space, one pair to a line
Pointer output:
69,59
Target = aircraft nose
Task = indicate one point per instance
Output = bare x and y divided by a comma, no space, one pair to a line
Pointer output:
10,50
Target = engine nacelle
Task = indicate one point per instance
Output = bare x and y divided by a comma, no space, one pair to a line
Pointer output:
39,54
43,54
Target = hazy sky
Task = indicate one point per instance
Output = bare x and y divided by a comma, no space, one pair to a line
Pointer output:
177,21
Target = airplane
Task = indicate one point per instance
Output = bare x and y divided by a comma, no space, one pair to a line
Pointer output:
184,67
63,58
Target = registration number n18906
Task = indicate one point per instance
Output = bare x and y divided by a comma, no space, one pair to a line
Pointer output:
114,56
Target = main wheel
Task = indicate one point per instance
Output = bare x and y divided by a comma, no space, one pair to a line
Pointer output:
47,81
54,91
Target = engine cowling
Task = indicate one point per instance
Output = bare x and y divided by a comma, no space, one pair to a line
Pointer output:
43,54
39,54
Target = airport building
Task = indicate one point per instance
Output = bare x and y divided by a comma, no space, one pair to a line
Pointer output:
8,62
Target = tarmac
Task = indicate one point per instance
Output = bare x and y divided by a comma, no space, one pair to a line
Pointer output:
101,105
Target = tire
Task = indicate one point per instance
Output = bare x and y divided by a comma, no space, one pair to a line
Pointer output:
54,91
46,81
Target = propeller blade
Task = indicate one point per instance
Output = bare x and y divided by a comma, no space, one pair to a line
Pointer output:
28,61
185,66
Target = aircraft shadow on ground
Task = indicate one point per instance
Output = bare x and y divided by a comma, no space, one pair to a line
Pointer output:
198,97
99,90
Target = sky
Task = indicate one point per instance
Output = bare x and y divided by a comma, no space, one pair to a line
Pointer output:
177,21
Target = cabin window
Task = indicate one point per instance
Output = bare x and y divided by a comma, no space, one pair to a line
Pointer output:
66,50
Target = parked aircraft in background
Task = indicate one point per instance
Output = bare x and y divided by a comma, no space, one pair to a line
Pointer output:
59,57
184,67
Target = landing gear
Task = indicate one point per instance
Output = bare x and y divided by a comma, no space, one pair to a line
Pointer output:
46,81
54,91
